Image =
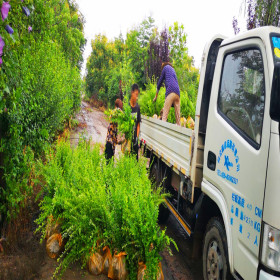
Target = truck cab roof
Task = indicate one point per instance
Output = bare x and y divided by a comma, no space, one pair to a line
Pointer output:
261,32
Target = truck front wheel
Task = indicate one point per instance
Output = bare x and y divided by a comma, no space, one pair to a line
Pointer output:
215,254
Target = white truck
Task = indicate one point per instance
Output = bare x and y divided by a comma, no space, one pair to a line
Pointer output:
223,177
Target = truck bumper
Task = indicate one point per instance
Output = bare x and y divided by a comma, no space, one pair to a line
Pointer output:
266,276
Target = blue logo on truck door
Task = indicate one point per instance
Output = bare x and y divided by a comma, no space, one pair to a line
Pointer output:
227,163
228,157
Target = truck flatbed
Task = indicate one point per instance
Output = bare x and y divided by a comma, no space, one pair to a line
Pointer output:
169,141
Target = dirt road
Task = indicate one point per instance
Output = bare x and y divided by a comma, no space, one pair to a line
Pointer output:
91,125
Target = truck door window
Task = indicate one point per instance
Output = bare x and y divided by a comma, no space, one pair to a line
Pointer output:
241,95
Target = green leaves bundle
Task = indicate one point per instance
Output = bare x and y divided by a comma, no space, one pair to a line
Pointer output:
100,204
149,108
124,119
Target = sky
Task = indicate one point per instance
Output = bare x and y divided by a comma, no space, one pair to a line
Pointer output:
202,19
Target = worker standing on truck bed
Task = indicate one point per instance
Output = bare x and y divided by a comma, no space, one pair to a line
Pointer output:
135,109
172,95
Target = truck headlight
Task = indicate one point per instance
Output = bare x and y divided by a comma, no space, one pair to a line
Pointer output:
271,247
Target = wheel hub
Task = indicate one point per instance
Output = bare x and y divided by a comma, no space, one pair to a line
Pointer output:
214,262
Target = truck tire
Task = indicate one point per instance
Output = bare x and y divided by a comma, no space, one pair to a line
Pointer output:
154,175
215,253
155,178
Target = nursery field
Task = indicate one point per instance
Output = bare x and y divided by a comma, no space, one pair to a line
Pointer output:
31,260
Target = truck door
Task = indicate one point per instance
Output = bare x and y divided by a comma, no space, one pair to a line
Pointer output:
236,147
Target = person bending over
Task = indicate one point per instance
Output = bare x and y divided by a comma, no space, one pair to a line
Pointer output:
172,95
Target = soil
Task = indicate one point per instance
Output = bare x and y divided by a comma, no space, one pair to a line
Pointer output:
27,260
181,265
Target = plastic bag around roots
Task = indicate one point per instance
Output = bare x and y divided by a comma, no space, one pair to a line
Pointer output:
95,263
118,269
52,227
190,122
107,261
126,146
54,245
160,275
141,272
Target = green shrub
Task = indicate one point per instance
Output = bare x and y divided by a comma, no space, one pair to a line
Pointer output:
149,108
48,92
40,87
123,118
113,205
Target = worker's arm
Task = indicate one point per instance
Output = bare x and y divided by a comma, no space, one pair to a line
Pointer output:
154,100
138,129
160,81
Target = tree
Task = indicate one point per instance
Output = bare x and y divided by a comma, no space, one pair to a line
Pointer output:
178,43
158,52
113,66
99,63
145,31
187,74
260,13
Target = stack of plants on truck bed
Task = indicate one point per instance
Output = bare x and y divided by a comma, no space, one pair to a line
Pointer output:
100,206
150,108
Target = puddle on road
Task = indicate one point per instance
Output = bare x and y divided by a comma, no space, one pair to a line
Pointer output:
92,125
182,265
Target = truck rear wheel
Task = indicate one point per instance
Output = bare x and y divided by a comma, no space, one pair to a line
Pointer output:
215,254
155,178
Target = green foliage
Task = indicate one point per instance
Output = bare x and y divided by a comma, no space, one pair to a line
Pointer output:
178,43
109,69
149,108
121,73
40,86
187,74
114,66
146,30
259,13
124,119
267,12
99,63
111,205
188,78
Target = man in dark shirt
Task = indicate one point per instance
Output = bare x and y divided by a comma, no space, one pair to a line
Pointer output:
135,109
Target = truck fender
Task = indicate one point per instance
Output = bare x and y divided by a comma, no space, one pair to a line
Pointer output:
218,198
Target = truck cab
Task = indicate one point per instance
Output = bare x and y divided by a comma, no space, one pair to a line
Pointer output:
228,196
242,149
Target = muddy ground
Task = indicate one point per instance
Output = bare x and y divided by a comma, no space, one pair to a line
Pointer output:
30,261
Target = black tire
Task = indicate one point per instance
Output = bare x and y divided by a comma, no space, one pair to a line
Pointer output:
163,214
155,175
215,252
156,180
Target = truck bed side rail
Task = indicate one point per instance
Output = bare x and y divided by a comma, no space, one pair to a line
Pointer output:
171,142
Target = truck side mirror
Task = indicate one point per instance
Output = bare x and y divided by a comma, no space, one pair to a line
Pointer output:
275,94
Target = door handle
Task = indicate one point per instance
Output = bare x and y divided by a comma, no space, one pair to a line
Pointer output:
211,161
